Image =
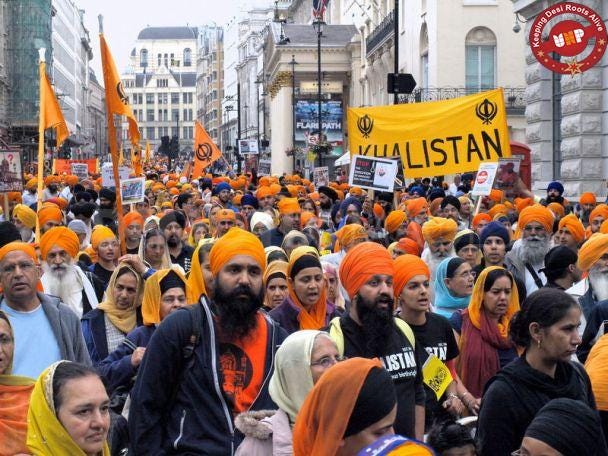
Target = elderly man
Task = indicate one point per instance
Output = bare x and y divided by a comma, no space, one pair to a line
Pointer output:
587,203
25,220
570,232
210,382
289,210
172,225
396,225
439,234
527,257
418,210
45,329
49,215
80,291
369,330
133,224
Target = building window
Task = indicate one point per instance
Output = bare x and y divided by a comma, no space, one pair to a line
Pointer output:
150,115
175,98
167,60
187,132
150,98
143,58
174,114
163,98
150,133
187,57
480,59
162,83
160,56
187,98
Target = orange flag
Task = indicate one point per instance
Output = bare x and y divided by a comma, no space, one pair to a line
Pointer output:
117,101
121,156
147,155
205,151
136,161
50,112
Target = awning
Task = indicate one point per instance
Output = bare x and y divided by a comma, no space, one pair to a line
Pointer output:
343,160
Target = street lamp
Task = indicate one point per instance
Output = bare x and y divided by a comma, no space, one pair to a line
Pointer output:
318,26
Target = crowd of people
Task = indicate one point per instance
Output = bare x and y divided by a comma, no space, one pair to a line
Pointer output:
264,315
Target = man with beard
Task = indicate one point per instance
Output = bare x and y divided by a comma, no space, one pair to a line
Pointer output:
223,193
80,291
587,203
106,214
49,215
172,225
327,198
289,210
369,330
25,220
134,225
418,210
51,189
396,225
224,220
187,393
439,234
555,190
527,257
29,197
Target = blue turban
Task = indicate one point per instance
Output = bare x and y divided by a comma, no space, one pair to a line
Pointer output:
220,187
494,229
418,190
347,202
555,185
249,200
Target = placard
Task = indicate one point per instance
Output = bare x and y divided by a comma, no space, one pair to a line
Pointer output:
132,190
80,170
264,167
321,176
373,173
107,174
10,172
484,179
248,146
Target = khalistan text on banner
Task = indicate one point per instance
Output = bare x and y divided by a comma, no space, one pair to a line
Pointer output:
434,138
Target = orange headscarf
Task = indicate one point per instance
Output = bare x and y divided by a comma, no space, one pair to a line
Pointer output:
350,233
21,247
536,213
592,250
439,227
406,267
100,233
315,319
50,212
587,198
62,237
289,206
574,226
236,242
415,206
323,417
150,306
603,227
479,217
394,220
361,263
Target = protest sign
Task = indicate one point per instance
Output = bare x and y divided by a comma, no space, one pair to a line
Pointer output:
81,170
484,179
248,146
132,190
64,165
107,175
10,172
373,173
264,167
321,176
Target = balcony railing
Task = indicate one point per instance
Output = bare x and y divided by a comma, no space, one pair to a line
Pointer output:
515,97
380,34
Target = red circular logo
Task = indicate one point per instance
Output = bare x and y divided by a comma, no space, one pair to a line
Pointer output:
568,38
482,176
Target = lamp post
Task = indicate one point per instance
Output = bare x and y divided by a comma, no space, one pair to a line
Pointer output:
396,47
318,25
293,64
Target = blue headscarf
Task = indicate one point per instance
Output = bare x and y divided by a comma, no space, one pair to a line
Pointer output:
445,302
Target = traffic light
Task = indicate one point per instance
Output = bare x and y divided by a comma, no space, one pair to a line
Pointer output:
173,147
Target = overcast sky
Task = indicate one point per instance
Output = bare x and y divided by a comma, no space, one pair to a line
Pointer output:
124,19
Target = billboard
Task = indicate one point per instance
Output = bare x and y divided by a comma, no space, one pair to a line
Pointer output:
307,121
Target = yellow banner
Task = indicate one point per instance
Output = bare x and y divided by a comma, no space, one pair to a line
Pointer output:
434,138
436,375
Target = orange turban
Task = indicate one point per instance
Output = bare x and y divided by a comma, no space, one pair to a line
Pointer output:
496,195
415,206
378,211
603,227
479,217
48,180
574,226
21,247
225,214
14,196
601,210
133,217
100,233
557,209
236,199
62,237
592,250
361,263
587,198
61,202
305,218
50,212
522,203
350,233
406,267
236,242
497,209
71,180
171,184
173,191
31,184
536,213
314,196
150,306
157,187
394,220
409,246
435,205
289,206
264,181
25,215
356,191
275,188
439,227
263,192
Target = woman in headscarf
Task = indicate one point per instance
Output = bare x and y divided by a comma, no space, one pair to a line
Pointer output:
306,306
483,329
275,284
300,362
547,330
274,253
333,285
153,250
15,394
453,286
164,292
353,404
200,230
200,279
105,327
68,413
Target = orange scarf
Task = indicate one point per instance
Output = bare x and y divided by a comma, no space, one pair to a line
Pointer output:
315,319
14,402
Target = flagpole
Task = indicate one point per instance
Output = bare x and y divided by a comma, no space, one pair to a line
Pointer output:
41,123
113,154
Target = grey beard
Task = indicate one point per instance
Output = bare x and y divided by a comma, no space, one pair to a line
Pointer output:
533,252
599,283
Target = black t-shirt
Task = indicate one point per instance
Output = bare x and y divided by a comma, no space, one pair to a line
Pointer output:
134,250
102,274
437,338
401,361
185,257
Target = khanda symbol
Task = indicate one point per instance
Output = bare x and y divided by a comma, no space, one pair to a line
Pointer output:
486,111
203,152
365,125
121,93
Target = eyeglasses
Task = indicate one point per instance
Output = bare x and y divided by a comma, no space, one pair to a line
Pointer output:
328,361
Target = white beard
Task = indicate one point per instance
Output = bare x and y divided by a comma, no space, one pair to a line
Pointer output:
533,252
599,283
65,285
432,260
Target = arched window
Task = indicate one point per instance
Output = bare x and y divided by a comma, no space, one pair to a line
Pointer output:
187,57
143,58
480,59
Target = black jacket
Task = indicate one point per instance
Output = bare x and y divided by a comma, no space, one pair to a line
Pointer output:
514,396
177,410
